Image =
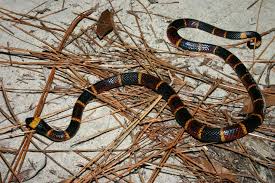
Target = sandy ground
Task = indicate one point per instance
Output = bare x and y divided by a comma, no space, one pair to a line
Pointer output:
227,14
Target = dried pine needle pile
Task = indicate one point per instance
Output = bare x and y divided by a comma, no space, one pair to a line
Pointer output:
127,134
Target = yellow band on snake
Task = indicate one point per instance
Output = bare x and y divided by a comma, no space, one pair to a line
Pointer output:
35,122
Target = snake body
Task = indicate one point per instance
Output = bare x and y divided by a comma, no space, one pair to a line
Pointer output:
195,128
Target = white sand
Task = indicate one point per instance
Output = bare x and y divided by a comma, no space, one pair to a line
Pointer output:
227,14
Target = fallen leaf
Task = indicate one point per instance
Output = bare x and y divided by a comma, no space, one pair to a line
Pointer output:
217,168
105,24
24,175
175,79
205,61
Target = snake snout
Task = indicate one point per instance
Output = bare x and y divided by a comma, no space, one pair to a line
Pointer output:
29,120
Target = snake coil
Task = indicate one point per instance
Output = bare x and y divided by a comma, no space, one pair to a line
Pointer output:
195,128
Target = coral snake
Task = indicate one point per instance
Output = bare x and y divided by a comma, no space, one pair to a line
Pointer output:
195,128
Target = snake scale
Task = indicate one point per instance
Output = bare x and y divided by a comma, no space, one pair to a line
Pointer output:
192,126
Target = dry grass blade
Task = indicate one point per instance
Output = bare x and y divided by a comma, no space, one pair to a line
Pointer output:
118,140
128,134
10,168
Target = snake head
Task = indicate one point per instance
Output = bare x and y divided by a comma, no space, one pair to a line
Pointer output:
32,122
38,124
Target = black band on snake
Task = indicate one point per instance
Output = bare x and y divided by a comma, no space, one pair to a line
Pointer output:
195,128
